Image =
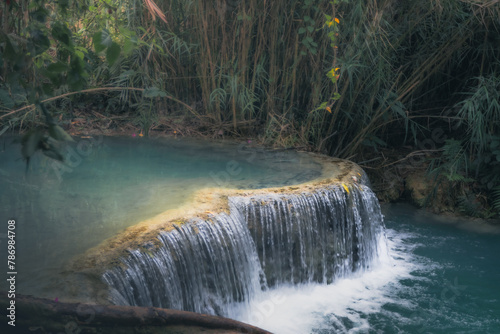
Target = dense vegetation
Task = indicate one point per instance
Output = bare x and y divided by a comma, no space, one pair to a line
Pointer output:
350,78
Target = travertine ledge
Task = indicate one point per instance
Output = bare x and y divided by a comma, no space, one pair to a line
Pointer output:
202,205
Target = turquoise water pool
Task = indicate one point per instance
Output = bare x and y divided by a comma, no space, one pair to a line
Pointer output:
434,274
108,184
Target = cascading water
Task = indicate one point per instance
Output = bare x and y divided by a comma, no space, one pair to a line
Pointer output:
200,267
265,241
314,237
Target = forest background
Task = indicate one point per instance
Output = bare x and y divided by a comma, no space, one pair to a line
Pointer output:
403,88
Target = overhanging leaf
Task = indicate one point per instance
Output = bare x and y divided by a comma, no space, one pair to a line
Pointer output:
129,45
106,38
61,32
77,74
53,154
102,40
57,67
40,14
97,40
113,53
40,42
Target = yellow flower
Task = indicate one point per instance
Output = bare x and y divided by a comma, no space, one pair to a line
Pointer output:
328,109
337,20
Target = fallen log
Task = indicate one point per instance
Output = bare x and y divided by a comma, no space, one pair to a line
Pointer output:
37,315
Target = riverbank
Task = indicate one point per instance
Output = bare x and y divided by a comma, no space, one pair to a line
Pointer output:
407,176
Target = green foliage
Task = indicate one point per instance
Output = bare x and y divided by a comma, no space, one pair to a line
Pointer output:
51,48
308,29
453,163
104,42
397,62
496,199
480,111
146,117
47,54
470,206
476,156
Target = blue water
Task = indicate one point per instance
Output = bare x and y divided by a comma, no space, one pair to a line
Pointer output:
436,275
108,184
453,286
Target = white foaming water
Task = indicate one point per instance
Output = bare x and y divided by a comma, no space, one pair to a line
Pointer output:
341,306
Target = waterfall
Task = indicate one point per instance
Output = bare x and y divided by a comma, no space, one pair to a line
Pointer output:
201,266
265,241
313,237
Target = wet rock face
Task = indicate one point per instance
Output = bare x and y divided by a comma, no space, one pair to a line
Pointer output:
417,188
414,185
424,191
